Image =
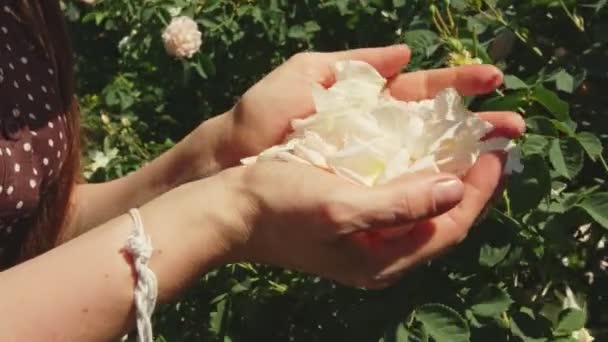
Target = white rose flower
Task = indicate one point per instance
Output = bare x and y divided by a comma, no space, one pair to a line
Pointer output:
371,138
182,38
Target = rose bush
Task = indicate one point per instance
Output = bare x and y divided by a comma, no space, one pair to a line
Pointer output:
534,268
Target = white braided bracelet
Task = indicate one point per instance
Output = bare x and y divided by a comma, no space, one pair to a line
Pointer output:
139,246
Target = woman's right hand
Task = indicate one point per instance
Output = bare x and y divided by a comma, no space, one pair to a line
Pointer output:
299,217
303,218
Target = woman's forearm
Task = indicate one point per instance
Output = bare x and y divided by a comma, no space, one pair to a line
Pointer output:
195,157
83,290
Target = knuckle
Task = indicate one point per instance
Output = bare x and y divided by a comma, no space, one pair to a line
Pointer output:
302,57
405,206
335,213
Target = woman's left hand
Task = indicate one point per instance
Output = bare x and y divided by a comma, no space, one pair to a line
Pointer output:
262,117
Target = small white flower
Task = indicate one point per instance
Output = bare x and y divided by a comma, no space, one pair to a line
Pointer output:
371,138
182,37
99,160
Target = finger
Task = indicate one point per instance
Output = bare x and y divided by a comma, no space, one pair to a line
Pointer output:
402,202
506,124
433,237
481,182
467,80
387,60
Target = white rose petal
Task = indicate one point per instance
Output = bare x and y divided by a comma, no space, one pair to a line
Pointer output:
364,135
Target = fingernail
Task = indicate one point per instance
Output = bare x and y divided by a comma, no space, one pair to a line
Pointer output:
496,80
447,193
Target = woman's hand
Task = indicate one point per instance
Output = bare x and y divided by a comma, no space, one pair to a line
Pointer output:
303,218
262,117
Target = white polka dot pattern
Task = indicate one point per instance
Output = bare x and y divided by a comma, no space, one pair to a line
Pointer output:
33,132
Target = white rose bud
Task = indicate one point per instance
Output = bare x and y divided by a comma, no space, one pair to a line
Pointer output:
182,38
105,119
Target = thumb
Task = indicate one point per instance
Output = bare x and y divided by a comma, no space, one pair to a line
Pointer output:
405,201
387,60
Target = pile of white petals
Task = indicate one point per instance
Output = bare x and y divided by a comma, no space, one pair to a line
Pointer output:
363,134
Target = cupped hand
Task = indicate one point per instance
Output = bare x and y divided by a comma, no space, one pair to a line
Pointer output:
300,217
262,117
303,218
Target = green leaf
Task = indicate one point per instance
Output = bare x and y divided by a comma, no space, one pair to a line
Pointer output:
491,302
402,335
511,101
596,205
514,83
566,157
398,333
564,81
422,41
527,189
490,256
534,144
591,143
399,3
530,327
297,32
443,323
570,320
551,101
476,26
418,334
566,127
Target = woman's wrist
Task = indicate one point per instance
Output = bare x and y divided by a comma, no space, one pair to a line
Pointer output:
207,150
210,214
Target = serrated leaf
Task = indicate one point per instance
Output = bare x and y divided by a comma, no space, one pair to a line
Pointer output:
591,143
418,334
596,205
491,302
490,256
566,157
570,320
443,323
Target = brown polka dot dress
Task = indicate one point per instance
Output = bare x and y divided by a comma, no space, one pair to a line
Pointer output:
33,142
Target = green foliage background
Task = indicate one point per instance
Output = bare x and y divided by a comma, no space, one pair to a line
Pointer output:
502,284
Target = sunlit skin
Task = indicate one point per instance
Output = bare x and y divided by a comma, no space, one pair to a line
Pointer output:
286,214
